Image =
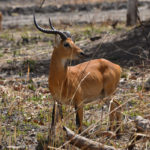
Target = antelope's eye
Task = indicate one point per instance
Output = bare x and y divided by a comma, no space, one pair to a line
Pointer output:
66,45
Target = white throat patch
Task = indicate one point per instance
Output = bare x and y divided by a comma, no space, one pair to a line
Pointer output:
63,62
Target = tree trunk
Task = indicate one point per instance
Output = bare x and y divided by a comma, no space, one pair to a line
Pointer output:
131,12
1,17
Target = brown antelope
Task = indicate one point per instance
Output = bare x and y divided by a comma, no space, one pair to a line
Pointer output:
1,17
80,84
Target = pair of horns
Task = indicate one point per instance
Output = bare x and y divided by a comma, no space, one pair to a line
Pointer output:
63,35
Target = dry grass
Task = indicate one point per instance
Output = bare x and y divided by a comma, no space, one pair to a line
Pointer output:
26,104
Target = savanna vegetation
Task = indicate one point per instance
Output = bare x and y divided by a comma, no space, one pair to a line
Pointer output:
25,101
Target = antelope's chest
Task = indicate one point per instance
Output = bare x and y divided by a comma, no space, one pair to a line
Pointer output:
55,89
60,93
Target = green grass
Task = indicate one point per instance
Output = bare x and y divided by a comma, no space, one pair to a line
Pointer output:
87,31
1,54
7,36
33,88
35,98
9,61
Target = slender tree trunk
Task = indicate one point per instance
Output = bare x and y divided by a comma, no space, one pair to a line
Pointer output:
1,17
131,12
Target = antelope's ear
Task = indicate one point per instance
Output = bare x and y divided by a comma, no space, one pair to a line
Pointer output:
56,41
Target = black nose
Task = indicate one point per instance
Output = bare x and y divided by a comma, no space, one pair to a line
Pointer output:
83,55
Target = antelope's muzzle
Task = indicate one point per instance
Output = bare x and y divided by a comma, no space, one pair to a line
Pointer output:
83,55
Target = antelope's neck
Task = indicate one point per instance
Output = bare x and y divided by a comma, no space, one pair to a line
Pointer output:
58,68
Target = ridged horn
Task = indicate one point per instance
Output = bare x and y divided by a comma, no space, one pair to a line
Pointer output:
53,31
50,24
67,33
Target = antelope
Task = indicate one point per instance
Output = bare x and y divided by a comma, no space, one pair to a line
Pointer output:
1,17
80,84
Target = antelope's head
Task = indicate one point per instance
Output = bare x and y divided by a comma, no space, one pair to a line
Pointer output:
65,46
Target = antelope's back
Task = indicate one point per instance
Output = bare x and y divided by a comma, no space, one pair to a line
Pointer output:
101,78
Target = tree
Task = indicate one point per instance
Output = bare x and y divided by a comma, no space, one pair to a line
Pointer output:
132,11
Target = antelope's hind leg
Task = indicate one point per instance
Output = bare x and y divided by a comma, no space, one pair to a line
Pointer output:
115,116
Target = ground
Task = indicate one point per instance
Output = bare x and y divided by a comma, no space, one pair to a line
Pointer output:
25,101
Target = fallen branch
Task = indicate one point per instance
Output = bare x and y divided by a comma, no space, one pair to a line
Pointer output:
85,143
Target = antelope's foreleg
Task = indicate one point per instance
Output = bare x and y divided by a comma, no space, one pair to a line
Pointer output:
56,113
51,135
79,116
60,111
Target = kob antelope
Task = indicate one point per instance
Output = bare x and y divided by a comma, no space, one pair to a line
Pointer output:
80,84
